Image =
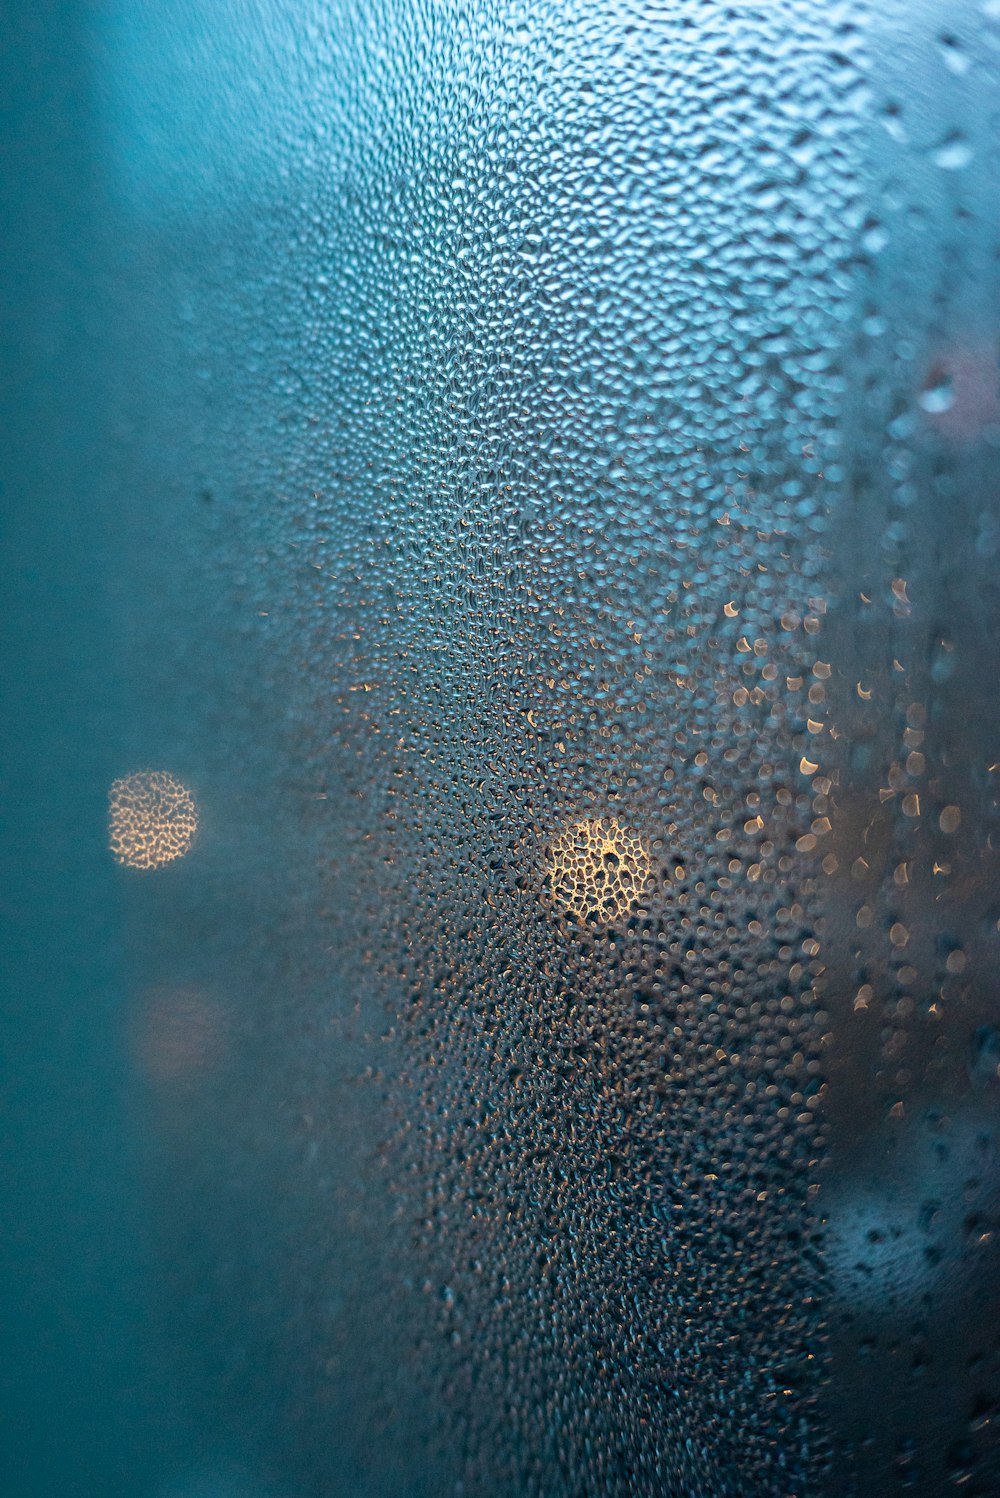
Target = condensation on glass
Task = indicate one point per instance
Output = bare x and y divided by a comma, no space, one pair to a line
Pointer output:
548,457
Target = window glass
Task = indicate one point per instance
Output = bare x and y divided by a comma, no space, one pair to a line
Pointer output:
503,749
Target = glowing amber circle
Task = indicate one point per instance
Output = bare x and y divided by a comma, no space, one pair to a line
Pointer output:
151,819
597,871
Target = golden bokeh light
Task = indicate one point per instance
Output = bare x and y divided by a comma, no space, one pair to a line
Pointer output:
597,871
151,819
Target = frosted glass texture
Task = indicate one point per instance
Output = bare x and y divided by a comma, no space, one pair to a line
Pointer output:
503,750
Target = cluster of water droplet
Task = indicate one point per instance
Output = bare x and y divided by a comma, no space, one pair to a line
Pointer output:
585,386
635,723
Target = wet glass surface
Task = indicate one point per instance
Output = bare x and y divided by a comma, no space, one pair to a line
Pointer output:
500,760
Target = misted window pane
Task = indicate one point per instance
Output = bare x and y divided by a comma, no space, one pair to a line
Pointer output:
502,760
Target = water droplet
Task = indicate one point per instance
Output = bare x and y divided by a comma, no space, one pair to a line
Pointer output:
938,394
953,153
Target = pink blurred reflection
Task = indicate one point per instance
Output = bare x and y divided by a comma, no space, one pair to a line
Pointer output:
181,1033
960,393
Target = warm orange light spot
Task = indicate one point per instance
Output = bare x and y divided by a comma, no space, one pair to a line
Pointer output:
597,870
151,819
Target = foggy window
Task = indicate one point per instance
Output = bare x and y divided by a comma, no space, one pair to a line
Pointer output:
501,760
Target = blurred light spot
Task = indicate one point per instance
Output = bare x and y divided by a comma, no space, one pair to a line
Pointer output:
597,871
182,1032
151,819
215,1482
